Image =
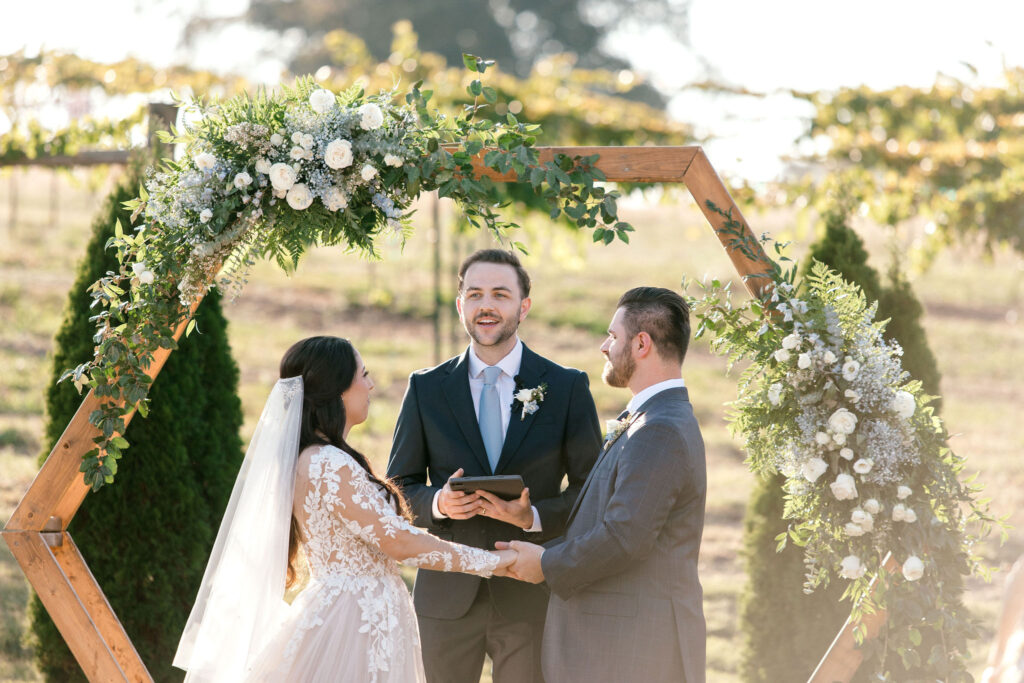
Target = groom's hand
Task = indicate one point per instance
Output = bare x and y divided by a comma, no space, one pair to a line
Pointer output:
517,512
527,566
457,504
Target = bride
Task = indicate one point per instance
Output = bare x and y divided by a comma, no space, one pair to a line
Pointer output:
302,484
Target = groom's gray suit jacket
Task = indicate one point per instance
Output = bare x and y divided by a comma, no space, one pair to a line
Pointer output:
626,602
437,433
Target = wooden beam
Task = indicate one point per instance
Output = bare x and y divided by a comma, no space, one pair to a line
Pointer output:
619,164
71,616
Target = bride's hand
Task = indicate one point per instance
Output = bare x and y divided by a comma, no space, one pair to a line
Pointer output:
506,558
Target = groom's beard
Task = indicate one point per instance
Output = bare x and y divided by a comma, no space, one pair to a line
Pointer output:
618,371
504,330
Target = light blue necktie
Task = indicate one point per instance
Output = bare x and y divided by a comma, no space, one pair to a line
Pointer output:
490,416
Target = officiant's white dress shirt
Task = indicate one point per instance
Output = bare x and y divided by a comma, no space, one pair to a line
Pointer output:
506,386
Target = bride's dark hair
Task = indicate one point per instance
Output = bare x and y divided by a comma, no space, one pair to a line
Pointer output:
328,367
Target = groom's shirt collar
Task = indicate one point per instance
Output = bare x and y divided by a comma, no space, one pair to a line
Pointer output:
646,394
509,364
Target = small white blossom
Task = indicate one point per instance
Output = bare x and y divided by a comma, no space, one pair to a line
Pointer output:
903,404
775,393
205,161
813,468
863,465
371,116
368,172
846,453
322,101
844,487
804,361
243,180
829,357
276,139
913,568
854,529
262,166
335,199
299,197
822,438
842,421
852,568
852,395
297,153
839,438
282,176
143,272
872,506
393,160
850,370
791,341
909,516
903,492
782,355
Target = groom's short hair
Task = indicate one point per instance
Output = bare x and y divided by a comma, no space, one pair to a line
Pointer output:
500,256
662,314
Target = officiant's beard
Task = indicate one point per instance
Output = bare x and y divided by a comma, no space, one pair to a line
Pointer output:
618,371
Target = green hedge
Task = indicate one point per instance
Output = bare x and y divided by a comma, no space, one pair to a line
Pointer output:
147,537
785,631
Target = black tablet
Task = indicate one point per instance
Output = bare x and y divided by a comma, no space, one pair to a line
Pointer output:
505,486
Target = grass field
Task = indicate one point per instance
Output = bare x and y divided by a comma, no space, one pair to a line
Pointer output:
974,305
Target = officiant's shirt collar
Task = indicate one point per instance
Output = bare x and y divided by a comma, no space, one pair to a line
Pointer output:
509,364
649,392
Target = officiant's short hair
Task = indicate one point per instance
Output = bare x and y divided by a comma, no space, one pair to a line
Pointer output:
500,256
661,313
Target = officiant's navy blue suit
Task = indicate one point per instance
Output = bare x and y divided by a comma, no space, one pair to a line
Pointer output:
437,433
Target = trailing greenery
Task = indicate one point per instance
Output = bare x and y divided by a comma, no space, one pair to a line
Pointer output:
773,593
168,508
869,479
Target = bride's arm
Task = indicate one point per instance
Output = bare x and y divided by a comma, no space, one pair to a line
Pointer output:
363,508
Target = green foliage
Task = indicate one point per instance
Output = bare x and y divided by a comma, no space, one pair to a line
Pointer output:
173,491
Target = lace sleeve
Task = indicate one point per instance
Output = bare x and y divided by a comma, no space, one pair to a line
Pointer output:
363,508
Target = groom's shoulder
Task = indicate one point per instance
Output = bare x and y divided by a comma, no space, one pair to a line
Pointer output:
557,369
436,372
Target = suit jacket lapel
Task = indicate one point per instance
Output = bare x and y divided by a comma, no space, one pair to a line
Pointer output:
605,450
531,370
460,400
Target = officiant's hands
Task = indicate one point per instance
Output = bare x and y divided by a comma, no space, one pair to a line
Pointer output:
517,512
457,504
527,565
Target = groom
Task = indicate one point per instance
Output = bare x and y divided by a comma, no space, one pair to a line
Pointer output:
626,602
461,419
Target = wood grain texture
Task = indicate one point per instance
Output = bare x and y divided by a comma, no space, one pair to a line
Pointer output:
619,164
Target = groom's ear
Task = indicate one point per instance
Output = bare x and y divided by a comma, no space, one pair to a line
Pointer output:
524,308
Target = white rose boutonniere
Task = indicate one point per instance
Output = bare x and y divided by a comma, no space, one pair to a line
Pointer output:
529,400
613,428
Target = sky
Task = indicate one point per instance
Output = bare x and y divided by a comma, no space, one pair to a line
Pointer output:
767,46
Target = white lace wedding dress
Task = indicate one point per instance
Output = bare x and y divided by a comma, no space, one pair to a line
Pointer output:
354,621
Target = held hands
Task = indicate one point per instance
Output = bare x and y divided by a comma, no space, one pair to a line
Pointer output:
527,565
505,559
517,512
457,504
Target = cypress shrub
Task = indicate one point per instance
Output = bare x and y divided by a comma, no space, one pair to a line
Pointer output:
147,536
786,632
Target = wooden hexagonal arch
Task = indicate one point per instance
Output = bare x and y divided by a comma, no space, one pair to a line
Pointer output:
37,531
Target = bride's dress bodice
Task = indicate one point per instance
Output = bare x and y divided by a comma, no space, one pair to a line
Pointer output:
353,539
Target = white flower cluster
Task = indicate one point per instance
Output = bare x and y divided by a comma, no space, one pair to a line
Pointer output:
853,431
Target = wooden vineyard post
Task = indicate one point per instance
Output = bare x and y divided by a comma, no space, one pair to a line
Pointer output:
37,531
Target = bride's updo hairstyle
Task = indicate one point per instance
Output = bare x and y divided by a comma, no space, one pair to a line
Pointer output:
328,366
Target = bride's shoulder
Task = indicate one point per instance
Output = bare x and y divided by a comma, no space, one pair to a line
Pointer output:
325,456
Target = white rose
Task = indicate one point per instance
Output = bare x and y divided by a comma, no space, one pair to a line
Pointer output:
368,172
913,568
393,160
863,466
335,199
262,166
846,453
296,137
524,395
205,215
813,468
804,361
903,492
859,516
903,404
901,513
868,524
297,153
850,370
872,506
822,438
909,516
243,180
844,487
791,341
372,116
842,421
306,141
829,357
782,355
854,529
280,194
852,395
276,139
322,101
205,161
775,393
338,154
299,197
282,176
839,438
610,426
852,568
142,272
